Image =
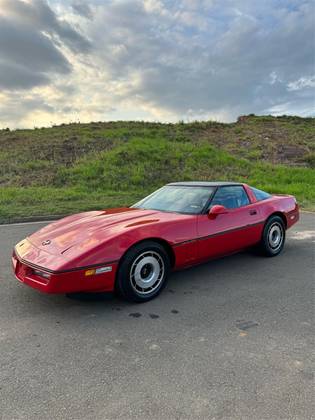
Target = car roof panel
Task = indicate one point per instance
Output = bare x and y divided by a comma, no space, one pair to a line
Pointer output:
204,183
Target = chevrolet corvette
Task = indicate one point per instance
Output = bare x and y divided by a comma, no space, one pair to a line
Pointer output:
132,250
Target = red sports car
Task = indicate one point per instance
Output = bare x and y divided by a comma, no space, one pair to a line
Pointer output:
132,250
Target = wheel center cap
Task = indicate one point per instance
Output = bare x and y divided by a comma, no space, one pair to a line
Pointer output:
146,271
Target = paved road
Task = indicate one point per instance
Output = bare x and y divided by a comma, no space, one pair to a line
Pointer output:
231,339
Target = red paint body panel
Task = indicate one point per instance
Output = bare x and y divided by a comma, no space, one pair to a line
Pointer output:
66,282
66,248
230,232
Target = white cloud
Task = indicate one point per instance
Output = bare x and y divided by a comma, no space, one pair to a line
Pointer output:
161,59
302,83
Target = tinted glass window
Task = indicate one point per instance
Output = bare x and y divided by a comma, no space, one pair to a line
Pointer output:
260,195
180,199
230,197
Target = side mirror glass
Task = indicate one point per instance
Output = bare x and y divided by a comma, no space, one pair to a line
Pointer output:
216,210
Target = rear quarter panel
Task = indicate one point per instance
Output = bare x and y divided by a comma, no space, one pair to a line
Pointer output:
283,204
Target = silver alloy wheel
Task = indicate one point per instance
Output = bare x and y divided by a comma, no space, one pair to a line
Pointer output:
275,236
147,272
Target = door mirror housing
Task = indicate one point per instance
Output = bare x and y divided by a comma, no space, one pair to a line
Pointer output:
216,210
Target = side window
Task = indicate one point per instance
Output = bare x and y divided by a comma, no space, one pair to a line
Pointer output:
259,194
230,197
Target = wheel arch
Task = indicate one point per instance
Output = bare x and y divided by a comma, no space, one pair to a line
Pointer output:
160,241
281,215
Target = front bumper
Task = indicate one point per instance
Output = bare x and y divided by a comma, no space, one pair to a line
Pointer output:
63,282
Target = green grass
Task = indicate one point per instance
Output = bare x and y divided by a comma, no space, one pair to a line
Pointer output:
79,167
20,204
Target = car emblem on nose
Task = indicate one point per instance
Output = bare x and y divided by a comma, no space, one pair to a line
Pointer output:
47,242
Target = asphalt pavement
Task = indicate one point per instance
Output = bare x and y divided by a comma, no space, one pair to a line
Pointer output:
231,339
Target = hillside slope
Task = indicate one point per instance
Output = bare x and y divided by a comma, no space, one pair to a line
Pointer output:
75,167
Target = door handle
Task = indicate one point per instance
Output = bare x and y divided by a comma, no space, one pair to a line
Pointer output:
252,212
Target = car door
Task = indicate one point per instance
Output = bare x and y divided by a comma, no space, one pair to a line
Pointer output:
231,231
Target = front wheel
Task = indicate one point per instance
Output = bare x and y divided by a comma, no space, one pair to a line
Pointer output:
143,272
273,238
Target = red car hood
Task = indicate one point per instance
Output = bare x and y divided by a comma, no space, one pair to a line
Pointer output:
87,229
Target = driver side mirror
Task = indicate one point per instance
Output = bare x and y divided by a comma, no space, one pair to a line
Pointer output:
216,210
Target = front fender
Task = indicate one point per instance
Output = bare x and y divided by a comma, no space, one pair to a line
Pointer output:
177,234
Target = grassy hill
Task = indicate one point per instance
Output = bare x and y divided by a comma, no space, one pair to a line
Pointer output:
76,167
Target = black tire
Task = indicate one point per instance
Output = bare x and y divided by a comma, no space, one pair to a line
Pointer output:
273,237
143,272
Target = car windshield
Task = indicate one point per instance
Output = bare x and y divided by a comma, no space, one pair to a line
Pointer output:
177,198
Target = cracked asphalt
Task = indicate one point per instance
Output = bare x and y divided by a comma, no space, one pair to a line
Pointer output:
231,339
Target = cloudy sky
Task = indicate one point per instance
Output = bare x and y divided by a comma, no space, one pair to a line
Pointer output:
160,60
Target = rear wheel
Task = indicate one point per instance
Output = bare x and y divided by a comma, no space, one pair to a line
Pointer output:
143,272
273,237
